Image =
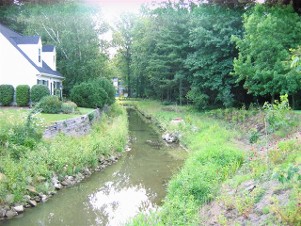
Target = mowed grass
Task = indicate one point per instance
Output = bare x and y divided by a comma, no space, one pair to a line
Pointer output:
213,158
45,119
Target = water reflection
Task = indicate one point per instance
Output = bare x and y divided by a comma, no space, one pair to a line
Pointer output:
136,183
116,206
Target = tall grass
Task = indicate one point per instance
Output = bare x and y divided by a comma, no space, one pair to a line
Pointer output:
213,158
62,155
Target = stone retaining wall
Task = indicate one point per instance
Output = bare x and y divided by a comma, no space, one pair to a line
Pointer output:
75,126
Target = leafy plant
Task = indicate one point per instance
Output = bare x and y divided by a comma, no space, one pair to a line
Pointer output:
68,107
22,95
89,94
6,94
49,104
37,92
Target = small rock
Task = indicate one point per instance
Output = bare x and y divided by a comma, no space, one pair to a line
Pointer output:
11,213
37,198
87,171
2,213
170,137
58,186
33,203
19,208
26,198
44,198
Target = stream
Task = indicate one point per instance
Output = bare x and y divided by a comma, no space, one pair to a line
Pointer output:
135,184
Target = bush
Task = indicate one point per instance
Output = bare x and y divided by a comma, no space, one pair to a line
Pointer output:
108,87
50,105
22,95
38,92
6,94
89,94
69,107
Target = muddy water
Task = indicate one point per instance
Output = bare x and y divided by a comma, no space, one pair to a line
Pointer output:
136,183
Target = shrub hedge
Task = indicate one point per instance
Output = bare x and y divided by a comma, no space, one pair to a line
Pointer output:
6,94
88,94
92,94
22,95
50,105
38,92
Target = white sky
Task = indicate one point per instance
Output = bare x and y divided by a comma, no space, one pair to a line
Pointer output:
111,9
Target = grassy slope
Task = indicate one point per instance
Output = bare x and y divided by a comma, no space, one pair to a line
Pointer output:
212,159
266,189
62,155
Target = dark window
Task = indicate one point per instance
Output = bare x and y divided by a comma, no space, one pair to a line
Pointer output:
39,55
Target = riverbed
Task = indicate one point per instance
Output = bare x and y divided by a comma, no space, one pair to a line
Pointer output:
136,183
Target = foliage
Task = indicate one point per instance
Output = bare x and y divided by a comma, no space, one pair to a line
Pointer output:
212,159
264,50
68,107
49,104
108,88
22,95
63,155
81,55
19,137
89,94
37,92
6,94
210,61
278,115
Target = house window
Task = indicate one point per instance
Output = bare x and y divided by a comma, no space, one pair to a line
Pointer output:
39,55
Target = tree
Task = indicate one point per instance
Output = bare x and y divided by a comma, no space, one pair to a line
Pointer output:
210,62
123,38
264,51
74,29
160,47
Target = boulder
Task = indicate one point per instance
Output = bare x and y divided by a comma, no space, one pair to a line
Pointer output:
11,213
19,208
2,212
32,203
170,137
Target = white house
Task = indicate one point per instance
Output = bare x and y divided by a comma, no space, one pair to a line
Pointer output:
25,61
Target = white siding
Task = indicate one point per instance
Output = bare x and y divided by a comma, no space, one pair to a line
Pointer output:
50,59
14,68
32,51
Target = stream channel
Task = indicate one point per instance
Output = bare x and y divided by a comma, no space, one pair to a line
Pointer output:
136,183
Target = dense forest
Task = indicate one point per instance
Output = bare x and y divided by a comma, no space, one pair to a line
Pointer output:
221,53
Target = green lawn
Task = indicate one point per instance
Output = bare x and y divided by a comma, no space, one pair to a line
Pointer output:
21,113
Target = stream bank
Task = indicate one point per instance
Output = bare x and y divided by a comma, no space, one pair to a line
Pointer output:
135,184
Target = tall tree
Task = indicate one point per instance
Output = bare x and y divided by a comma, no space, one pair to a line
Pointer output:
74,29
122,39
264,51
213,54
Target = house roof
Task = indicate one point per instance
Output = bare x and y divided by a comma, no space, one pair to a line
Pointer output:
14,38
27,39
48,48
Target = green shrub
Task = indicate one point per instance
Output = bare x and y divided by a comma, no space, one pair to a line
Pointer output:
69,107
50,105
6,94
89,94
109,88
38,92
22,95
